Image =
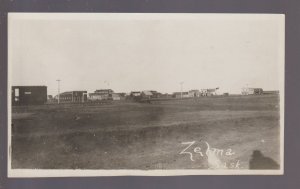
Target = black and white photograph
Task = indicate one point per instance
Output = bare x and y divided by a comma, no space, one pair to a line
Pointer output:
145,94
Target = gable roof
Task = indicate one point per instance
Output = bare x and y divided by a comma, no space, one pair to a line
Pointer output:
148,93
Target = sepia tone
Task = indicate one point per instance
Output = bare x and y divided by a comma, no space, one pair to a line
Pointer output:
120,92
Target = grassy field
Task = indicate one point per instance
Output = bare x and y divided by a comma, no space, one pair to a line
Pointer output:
172,134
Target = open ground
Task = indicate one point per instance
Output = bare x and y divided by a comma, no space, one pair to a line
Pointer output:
167,134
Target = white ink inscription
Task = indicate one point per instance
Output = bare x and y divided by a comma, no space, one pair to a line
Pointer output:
213,155
191,151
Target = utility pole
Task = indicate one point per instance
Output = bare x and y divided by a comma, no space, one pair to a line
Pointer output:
58,89
107,83
181,83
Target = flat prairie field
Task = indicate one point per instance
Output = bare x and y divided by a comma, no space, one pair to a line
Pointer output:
197,133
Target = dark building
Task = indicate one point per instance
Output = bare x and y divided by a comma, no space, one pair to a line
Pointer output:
122,95
146,94
136,95
150,94
195,93
28,95
72,96
156,94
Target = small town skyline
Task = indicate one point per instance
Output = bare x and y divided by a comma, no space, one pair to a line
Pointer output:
53,89
219,90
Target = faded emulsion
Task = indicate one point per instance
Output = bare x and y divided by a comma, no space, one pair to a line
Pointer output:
145,94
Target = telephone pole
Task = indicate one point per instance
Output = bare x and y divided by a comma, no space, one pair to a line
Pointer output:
107,83
181,83
58,89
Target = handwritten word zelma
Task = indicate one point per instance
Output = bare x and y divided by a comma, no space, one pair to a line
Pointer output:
192,150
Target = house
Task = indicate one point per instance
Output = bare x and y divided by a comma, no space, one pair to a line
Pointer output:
135,94
115,96
146,94
252,91
209,92
72,96
156,94
101,94
122,95
95,96
105,93
194,93
181,95
28,95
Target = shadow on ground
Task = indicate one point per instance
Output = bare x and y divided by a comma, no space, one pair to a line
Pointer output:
259,161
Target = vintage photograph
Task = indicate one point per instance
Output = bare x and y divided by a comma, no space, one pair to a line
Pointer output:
108,94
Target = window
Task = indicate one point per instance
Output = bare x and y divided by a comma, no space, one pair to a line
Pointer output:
17,93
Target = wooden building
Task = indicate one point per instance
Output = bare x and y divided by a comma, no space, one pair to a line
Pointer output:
28,95
101,94
72,96
252,91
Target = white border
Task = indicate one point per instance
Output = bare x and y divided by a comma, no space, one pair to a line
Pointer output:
145,16
29,173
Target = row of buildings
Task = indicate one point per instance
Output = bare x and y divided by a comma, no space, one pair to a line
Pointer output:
196,93
24,95
109,94
83,96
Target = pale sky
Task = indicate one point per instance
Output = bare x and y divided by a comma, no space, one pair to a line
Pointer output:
146,51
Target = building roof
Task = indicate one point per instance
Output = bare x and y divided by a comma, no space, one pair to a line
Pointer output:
148,93
103,90
135,93
95,94
71,92
179,93
194,90
66,93
29,86
210,90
